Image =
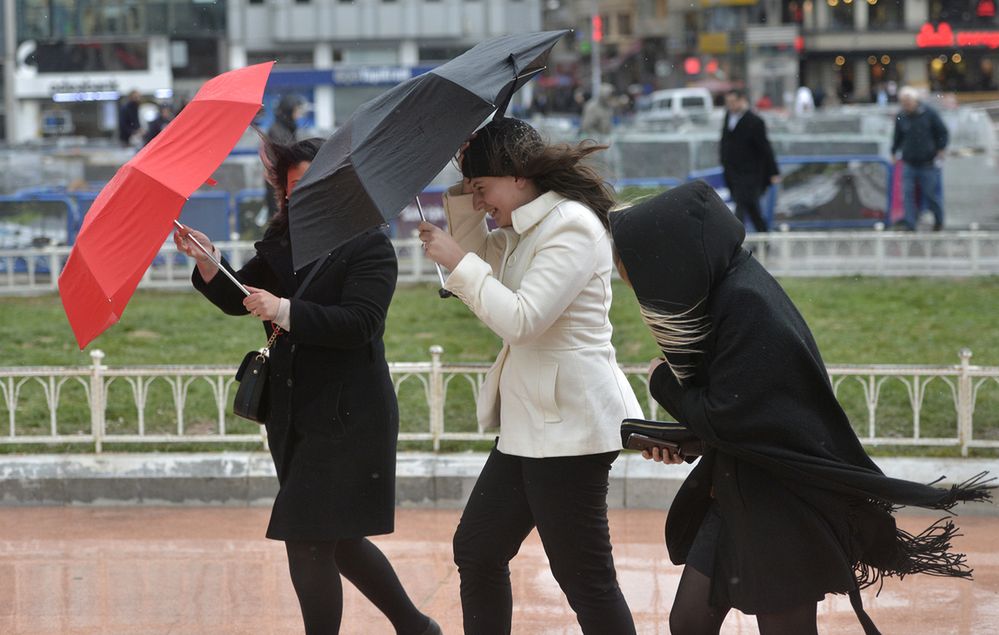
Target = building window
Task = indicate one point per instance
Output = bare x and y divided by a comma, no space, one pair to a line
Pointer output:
256,1
624,25
965,13
840,14
886,14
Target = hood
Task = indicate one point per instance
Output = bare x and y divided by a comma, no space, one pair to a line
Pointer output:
676,247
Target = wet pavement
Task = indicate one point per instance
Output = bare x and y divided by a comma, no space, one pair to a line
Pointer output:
203,570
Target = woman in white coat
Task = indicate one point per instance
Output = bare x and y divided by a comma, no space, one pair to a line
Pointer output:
542,281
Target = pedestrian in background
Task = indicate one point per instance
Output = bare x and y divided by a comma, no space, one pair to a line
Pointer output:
747,159
157,125
920,141
334,422
283,131
598,113
128,118
556,395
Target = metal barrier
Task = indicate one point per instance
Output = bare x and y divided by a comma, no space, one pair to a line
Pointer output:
858,188
112,405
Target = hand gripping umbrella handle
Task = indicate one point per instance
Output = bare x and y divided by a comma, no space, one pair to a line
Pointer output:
211,257
442,292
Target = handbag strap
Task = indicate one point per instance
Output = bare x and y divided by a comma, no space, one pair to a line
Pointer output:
301,288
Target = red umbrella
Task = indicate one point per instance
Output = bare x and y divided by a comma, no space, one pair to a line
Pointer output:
133,215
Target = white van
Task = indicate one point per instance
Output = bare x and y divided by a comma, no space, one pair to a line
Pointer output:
675,105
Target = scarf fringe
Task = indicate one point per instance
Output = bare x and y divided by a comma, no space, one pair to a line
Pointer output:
928,552
978,488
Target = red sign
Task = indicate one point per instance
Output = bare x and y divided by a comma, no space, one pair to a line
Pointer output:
986,9
942,37
978,38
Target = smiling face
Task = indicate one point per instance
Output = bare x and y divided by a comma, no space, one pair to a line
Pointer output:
498,196
295,173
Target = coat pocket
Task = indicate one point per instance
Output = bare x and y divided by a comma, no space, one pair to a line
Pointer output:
333,412
547,379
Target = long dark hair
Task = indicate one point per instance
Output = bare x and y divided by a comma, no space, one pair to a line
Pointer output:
278,159
510,147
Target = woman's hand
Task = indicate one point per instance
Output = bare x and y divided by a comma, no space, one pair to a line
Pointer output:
262,304
662,455
184,239
439,246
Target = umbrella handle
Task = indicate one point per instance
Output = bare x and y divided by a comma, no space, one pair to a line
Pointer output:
442,292
211,257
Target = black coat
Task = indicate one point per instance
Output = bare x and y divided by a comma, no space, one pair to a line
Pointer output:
334,419
804,510
746,156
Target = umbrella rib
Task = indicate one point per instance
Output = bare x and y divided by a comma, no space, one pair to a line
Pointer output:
153,178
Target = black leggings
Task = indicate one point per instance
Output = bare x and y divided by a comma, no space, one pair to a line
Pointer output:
692,613
316,568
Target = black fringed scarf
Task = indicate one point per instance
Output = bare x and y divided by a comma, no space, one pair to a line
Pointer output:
805,511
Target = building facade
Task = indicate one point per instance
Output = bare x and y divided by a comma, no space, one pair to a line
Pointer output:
75,59
856,49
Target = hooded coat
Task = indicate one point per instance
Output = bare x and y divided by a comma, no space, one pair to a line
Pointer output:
783,460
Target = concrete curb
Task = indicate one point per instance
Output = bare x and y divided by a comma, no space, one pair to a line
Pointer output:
423,480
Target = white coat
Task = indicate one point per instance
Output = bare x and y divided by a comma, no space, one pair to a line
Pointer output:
544,286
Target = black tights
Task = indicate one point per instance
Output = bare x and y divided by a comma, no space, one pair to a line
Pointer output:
692,613
316,568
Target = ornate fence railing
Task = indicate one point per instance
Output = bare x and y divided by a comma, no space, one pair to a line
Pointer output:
98,405
784,253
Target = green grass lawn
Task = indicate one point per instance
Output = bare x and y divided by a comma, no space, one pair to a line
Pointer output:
855,321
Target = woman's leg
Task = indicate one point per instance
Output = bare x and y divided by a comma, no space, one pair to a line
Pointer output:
367,568
317,583
568,498
495,522
797,621
692,613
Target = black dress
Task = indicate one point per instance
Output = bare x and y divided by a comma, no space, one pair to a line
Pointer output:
334,422
803,510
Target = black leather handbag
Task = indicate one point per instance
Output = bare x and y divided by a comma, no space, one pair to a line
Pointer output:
252,396
251,401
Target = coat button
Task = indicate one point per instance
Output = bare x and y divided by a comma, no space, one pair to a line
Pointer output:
289,383
292,348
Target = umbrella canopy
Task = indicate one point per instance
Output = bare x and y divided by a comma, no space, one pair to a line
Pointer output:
134,213
394,145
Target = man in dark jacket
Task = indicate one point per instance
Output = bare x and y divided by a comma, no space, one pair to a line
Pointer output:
128,118
920,140
746,158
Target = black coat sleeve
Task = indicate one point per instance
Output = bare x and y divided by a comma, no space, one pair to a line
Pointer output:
223,293
765,151
359,317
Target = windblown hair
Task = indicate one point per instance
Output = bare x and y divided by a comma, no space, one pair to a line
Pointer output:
512,148
278,159
678,335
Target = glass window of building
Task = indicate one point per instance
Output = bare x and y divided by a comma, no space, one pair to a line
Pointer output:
840,14
624,24
886,14
966,13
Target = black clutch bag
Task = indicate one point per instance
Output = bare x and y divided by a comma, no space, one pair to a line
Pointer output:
639,434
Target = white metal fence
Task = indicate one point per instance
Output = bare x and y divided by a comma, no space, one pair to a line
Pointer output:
840,253
97,405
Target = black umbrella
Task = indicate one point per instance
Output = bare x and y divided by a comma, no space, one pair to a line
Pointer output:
394,145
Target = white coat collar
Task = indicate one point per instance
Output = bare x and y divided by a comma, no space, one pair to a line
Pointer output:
527,216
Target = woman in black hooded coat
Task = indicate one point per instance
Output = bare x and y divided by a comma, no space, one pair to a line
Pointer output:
785,505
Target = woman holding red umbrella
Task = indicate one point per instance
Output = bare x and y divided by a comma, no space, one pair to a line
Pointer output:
333,419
